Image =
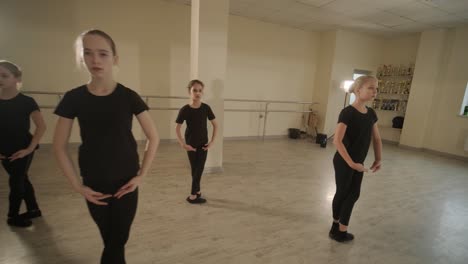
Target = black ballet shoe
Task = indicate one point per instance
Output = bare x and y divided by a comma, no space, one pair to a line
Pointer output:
197,200
342,237
32,214
19,221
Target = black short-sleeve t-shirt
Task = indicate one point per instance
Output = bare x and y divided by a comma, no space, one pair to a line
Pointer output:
108,149
358,133
196,133
15,123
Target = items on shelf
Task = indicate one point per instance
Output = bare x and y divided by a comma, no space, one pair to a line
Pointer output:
393,70
389,105
395,79
394,87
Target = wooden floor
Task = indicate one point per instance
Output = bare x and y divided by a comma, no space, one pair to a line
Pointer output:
272,204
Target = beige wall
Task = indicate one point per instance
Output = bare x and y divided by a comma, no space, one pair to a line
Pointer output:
267,62
152,39
323,76
445,130
343,51
397,50
439,83
351,51
425,81
400,49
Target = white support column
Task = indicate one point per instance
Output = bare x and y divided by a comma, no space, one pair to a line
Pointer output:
208,55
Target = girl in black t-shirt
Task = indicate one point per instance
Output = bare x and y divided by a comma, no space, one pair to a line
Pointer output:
357,125
108,158
17,145
196,142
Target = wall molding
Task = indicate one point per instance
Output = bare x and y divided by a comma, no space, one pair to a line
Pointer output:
435,152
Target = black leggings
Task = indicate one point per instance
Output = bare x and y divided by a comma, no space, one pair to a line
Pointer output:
197,163
20,186
348,187
114,221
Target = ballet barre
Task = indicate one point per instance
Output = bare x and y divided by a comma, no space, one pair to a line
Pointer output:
265,110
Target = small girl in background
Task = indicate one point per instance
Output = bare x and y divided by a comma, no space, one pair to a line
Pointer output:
196,142
17,145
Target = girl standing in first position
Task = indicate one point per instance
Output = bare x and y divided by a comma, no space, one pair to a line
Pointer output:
357,124
108,158
196,142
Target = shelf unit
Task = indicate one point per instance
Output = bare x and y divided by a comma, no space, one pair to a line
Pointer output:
394,87
392,97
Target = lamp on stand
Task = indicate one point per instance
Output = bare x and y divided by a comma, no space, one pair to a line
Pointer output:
346,85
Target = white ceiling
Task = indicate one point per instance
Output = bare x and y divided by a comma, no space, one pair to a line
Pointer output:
383,17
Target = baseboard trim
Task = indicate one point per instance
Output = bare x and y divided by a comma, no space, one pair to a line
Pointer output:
48,146
435,152
255,137
167,140
390,142
231,138
210,170
172,140
410,148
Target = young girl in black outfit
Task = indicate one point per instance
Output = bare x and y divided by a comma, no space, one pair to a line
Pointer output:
108,158
196,142
17,145
357,124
